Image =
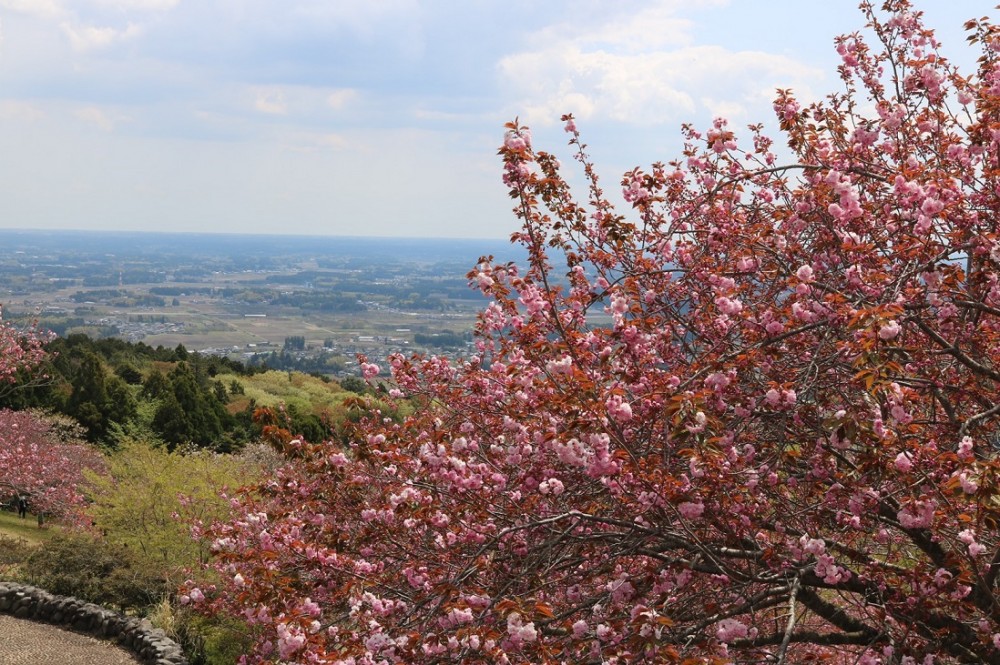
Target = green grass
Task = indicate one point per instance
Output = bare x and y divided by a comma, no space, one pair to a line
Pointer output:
26,529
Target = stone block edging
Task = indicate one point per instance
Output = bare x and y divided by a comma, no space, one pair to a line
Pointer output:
150,645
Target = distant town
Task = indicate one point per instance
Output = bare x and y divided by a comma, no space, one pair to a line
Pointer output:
304,303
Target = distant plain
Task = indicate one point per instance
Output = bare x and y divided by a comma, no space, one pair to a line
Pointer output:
243,294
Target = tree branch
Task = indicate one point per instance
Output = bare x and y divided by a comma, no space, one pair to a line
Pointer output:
837,616
956,353
791,620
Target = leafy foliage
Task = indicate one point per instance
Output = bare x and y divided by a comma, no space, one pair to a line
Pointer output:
13,553
190,410
120,390
210,641
149,498
96,570
302,395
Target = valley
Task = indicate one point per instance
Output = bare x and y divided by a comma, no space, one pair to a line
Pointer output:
306,303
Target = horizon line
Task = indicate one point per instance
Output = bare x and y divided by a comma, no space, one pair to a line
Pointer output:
248,233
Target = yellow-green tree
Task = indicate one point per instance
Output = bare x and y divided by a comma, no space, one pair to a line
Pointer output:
151,498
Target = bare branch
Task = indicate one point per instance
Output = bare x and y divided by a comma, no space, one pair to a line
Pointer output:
791,620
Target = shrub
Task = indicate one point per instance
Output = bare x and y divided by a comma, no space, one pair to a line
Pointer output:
90,568
13,554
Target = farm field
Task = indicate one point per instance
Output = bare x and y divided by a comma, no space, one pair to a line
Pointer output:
247,296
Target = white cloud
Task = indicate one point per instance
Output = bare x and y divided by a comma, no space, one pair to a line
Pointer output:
338,99
359,14
300,100
11,109
435,115
45,9
724,108
334,141
142,5
270,101
653,27
312,142
95,116
645,67
89,37
645,87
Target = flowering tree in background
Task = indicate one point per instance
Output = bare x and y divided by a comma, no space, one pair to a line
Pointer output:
755,421
20,350
34,459
36,463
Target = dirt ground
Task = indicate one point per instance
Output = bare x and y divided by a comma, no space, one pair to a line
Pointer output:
29,643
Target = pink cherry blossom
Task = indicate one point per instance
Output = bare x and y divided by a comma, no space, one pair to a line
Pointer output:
691,510
730,629
889,331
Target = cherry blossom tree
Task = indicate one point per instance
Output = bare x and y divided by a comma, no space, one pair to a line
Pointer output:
36,460
37,463
20,351
752,420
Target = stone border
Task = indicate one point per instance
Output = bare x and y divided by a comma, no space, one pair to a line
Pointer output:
150,645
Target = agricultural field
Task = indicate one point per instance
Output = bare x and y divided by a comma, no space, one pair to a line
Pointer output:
307,304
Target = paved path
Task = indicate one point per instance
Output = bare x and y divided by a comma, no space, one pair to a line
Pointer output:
28,643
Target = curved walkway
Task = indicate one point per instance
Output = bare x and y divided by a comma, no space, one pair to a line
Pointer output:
24,642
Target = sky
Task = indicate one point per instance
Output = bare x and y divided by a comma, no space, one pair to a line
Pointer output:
376,117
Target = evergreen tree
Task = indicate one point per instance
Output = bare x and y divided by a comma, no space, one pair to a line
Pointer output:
172,422
155,385
90,396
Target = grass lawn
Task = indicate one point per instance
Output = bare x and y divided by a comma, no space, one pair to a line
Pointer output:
14,527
